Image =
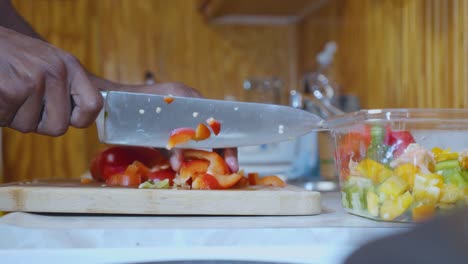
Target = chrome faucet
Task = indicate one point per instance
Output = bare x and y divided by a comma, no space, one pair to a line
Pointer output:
316,103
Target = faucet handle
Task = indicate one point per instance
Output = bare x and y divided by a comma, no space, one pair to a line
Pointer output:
322,108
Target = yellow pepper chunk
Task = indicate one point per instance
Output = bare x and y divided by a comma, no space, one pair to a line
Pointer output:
451,193
373,170
464,162
393,186
423,212
407,172
372,203
444,154
392,208
428,188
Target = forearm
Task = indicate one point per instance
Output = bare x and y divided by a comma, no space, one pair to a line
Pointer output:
9,18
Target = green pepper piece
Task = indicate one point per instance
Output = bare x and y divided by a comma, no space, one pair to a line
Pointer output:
454,176
447,164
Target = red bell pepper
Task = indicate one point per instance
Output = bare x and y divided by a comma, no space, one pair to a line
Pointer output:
398,141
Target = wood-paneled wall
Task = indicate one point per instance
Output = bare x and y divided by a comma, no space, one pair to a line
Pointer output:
120,40
394,53
391,53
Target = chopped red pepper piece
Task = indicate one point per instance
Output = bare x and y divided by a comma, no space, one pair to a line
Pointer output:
192,169
399,141
253,178
272,181
114,160
179,136
168,99
130,178
214,124
202,132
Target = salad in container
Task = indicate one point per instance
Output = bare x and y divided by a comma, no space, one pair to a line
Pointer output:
403,165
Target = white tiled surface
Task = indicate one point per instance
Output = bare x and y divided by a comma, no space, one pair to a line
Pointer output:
325,238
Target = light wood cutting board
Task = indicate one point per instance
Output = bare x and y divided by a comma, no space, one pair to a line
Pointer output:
72,197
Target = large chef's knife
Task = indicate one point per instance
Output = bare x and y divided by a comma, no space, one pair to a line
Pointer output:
147,120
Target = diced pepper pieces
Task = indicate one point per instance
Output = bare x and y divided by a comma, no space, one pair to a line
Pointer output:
352,146
208,181
355,191
392,208
451,193
372,203
373,170
447,164
86,180
242,183
274,181
399,141
214,124
180,136
423,212
444,154
377,149
428,188
253,178
464,162
115,159
227,181
217,164
407,172
202,132
393,187
166,174
168,99
270,180
455,177
130,178
192,169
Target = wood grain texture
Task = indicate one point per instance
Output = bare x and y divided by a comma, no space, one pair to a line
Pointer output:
72,197
258,11
33,156
120,40
405,53
402,53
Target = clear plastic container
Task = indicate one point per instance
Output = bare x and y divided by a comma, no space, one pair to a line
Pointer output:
402,165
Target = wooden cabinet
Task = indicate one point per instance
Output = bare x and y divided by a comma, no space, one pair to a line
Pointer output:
258,11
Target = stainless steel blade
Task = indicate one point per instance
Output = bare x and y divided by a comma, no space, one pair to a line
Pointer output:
147,120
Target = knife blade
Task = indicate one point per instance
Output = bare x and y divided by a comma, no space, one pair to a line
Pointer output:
147,120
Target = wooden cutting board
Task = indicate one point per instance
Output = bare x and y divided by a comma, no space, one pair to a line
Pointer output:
73,197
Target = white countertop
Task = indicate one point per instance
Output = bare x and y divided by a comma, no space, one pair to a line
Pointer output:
328,237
